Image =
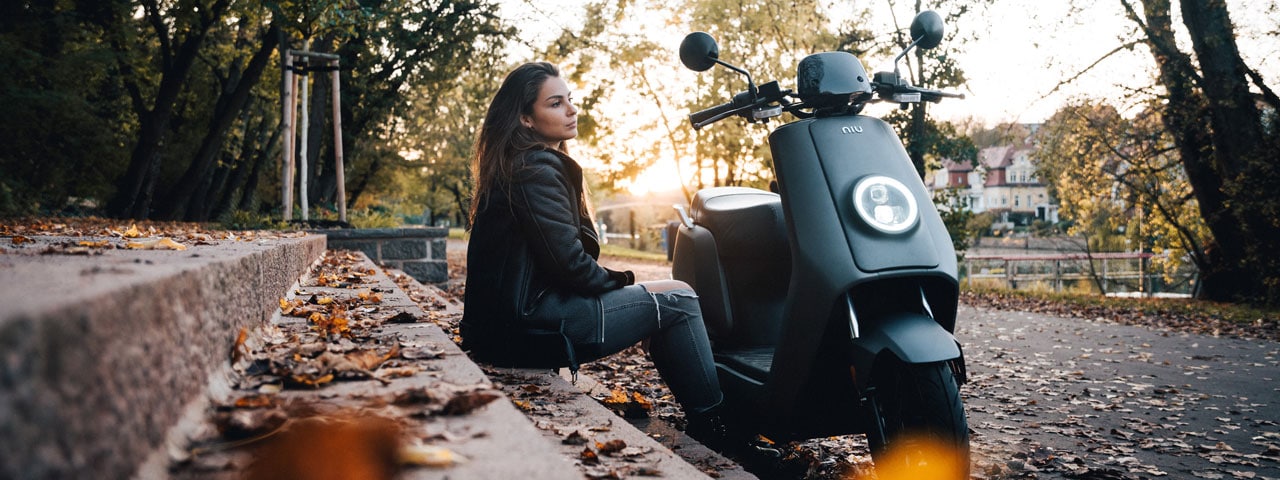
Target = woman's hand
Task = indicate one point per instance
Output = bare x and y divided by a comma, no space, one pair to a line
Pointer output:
623,278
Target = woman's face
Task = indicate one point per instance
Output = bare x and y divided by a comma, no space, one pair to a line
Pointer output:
554,117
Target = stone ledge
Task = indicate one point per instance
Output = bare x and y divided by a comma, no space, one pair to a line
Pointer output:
558,407
378,233
101,353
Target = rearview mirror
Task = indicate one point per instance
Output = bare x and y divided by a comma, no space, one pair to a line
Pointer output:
926,30
699,51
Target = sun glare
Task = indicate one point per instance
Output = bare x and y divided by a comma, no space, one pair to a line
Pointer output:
661,177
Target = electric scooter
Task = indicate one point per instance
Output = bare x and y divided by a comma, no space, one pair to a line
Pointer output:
831,304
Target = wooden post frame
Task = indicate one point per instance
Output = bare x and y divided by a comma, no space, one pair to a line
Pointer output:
313,62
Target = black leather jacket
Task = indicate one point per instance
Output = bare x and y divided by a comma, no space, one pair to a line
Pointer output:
531,268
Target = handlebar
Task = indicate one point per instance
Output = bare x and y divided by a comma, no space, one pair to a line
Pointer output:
704,117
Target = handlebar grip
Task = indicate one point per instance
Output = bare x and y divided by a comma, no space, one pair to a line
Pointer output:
697,118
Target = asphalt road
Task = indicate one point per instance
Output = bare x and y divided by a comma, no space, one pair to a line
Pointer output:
1064,398
1052,397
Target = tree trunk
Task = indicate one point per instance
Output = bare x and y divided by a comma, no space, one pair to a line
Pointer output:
1217,131
133,197
185,198
1239,147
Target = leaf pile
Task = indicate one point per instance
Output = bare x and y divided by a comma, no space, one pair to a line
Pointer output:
331,330
1172,315
93,236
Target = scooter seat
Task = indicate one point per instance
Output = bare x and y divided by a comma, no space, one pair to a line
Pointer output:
754,261
746,221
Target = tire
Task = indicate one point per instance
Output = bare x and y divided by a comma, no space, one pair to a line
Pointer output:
923,421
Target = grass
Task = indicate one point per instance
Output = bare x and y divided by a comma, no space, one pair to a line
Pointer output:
624,252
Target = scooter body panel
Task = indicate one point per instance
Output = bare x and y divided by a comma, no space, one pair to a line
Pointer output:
913,338
817,162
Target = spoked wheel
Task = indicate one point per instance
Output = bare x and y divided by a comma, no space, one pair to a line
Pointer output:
925,432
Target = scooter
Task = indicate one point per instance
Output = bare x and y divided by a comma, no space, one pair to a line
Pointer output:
831,304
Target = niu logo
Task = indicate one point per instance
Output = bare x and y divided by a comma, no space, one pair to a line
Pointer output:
853,129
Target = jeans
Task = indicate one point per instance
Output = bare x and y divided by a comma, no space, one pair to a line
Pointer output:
666,313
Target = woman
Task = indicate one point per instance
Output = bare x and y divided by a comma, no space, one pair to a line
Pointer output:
535,295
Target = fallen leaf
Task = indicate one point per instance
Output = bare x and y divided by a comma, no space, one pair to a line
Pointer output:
162,243
611,446
575,438
371,359
238,350
331,446
466,402
589,457
312,380
428,456
255,401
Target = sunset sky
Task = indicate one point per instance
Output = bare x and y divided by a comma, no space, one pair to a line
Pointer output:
1022,51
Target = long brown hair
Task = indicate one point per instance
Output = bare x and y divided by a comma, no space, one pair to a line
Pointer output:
502,137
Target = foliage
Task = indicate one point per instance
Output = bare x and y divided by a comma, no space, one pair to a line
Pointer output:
248,220
373,218
1121,184
438,132
172,109
928,141
958,218
1226,142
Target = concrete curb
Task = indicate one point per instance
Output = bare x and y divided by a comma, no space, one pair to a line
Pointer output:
493,441
567,415
101,352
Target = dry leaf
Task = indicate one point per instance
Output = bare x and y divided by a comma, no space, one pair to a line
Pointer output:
312,380
255,401
162,243
349,446
371,359
428,456
466,402
611,446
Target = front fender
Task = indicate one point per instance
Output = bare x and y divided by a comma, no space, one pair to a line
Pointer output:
912,337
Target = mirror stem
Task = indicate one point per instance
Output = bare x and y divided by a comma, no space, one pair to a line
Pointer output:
904,53
751,85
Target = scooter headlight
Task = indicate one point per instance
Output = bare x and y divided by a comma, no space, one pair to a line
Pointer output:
885,204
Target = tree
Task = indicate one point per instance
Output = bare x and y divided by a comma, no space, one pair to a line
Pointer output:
1226,144
767,38
404,45
441,136
190,196
926,139
180,31
65,118
1121,182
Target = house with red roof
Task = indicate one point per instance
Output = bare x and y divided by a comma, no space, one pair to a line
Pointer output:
1003,182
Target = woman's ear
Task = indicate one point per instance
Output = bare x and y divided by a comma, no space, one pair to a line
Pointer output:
526,121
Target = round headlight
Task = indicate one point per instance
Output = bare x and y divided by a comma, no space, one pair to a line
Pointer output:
885,204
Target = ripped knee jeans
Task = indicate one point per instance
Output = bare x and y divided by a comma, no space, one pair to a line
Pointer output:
666,313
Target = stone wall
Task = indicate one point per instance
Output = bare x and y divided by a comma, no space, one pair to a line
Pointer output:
418,252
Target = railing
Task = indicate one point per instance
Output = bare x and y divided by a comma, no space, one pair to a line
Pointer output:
1112,272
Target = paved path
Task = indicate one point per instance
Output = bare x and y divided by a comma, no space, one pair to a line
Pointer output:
1056,397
